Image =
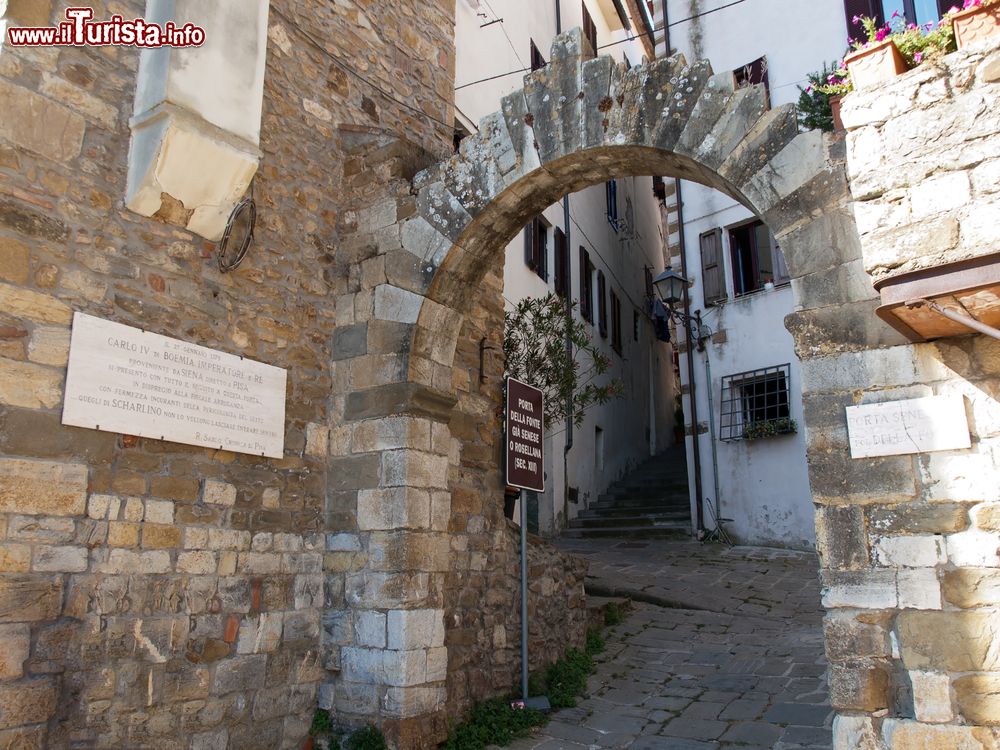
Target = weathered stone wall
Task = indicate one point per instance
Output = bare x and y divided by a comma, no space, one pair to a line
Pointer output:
909,544
155,594
423,579
482,593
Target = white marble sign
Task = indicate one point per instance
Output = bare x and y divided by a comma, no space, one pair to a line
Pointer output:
918,425
122,379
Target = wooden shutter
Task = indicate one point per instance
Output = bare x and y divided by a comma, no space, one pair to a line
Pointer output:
537,61
529,245
561,263
586,294
541,249
869,8
754,73
713,280
602,307
589,28
616,323
945,5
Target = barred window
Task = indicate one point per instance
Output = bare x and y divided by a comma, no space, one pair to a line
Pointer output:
754,399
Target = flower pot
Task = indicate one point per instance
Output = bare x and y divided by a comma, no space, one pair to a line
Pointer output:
973,25
835,102
875,64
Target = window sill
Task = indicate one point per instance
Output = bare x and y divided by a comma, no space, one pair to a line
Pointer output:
758,292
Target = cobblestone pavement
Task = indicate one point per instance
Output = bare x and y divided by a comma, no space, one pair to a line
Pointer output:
741,665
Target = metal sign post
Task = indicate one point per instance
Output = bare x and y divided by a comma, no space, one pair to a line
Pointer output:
524,420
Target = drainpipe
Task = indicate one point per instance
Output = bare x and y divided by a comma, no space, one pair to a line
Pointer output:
692,396
569,315
711,432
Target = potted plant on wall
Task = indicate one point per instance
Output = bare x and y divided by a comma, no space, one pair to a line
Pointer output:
876,59
896,47
976,21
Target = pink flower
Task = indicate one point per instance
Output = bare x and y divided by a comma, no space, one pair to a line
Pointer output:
918,56
809,89
881,34
971,4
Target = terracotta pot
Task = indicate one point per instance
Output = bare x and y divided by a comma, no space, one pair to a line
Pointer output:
875,64
835,101
973,25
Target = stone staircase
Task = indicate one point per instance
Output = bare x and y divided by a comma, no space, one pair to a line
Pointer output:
650,502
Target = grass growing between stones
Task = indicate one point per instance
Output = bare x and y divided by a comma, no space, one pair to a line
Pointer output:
327,736
494,722
614,614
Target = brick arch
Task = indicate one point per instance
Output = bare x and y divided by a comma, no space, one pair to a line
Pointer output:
434,250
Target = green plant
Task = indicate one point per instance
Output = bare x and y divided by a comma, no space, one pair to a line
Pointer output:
535,339
814,100
567,678
322,724
366,738
613,614
492,722
765,428
595,642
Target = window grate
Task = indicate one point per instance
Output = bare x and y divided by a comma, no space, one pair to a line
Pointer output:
752,398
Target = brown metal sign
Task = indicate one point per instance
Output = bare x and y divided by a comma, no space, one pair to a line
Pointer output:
524,421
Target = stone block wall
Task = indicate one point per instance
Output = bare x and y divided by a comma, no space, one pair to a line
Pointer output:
482,590
908,544
155,594
423,580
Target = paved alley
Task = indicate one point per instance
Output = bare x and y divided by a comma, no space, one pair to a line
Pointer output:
735,661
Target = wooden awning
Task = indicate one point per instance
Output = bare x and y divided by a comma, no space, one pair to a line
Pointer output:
969,287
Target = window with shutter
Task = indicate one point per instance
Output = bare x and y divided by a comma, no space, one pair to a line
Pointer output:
866,8
756,258
586,286
562,264
611,194
913,11
659,188
602,310
536,249
589,29
713,280
616,323
537,61
753,73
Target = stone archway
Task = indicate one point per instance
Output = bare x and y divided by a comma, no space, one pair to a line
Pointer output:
430,245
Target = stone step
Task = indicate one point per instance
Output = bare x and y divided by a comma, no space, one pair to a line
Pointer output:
658,519
651,503
619,490
674,531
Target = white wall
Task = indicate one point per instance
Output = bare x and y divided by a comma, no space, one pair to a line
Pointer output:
632,425
763,484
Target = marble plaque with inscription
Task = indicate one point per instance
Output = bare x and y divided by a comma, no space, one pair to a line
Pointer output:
917,425
123,379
